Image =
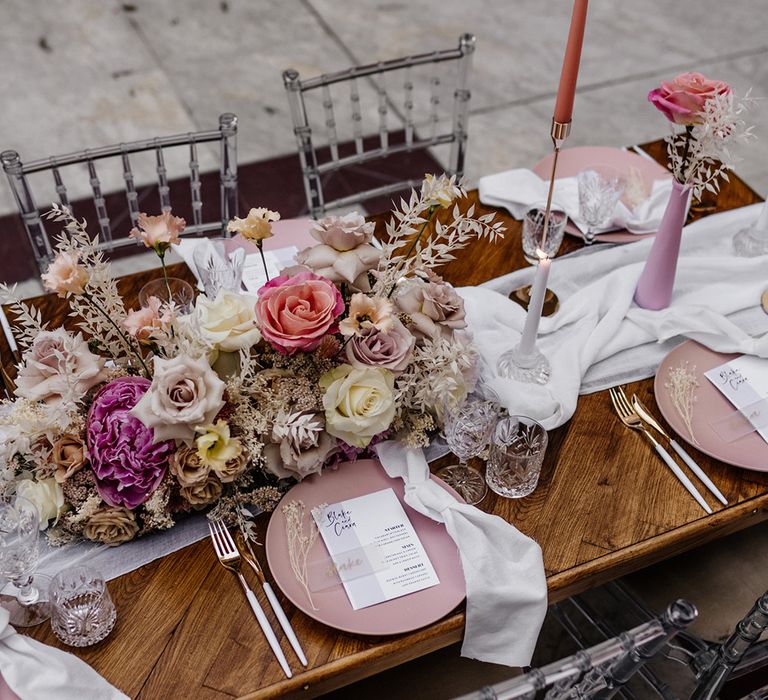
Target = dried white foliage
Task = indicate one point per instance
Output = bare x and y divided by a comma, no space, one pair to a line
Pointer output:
405,252
301,537
28,321
682,385
709,152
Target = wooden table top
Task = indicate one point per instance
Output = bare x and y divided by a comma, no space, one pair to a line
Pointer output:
605,506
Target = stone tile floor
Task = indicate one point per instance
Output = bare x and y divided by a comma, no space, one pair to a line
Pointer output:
84,73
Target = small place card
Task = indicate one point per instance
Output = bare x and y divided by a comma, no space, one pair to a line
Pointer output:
253,269
744,382
374,548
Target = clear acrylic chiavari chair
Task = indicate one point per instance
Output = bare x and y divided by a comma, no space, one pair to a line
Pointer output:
226,135
314,163
601,671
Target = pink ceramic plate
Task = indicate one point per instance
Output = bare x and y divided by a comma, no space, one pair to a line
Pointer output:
404,614
573,160
750,451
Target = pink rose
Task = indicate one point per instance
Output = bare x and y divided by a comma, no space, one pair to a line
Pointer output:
434,308
343,233
682,99
158,232
296,313
65,276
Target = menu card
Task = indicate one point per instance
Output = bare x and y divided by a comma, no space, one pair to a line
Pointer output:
253,268
374,548
744,382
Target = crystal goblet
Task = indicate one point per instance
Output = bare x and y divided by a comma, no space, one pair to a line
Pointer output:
600,188
19,550
467,430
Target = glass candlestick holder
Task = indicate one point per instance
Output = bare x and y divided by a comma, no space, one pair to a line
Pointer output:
753,239
530,367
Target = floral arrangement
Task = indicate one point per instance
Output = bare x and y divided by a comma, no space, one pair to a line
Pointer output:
712,117
132,417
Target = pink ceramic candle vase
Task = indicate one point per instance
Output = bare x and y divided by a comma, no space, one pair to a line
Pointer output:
654,288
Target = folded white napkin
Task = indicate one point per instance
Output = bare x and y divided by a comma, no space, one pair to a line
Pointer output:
503,569
36,671
599,322
519,190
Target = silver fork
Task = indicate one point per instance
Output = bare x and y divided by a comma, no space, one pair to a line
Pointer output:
229,558
628,416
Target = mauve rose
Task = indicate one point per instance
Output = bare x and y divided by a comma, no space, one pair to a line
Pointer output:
682,99
202,494
57,364
434,308
375,348
185,393
296,313
127,465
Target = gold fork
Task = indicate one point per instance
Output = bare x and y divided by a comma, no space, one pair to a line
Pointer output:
230,559
629,417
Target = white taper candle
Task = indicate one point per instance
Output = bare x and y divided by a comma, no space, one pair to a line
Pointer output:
535,306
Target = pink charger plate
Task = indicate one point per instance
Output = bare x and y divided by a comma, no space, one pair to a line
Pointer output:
749,451
397,616
571,161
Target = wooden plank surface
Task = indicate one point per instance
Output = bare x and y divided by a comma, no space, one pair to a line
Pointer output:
605,506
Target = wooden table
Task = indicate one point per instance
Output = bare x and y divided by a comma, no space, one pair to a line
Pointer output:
605,506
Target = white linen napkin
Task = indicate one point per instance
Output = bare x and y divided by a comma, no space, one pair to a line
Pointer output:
599,322
519,190
503,569
36,671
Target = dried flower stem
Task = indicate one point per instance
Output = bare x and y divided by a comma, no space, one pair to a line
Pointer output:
682,386
300,542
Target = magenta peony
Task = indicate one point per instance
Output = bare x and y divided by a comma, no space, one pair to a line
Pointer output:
126,465
296,313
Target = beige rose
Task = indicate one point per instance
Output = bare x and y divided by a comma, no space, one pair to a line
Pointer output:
187,467
111,526
201,495
184,393
46,495
229,322
65,275
232,468
359,403
255,227
301,445
59,364
434,308
68,456
345,253
343,233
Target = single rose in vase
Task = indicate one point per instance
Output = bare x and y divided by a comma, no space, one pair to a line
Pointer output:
296,313
682,99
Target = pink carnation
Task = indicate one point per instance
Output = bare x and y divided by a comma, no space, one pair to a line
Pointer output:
296,313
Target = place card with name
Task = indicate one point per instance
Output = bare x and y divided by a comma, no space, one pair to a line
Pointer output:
374,548
744,382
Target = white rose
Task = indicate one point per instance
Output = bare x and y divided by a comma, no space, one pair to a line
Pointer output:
229,322
184,393
45,495
359,403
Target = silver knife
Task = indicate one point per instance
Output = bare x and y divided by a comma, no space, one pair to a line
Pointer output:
695,468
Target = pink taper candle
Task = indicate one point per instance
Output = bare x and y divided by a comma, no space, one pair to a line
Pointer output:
570,72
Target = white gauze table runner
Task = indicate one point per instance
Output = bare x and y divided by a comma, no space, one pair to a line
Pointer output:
600,338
